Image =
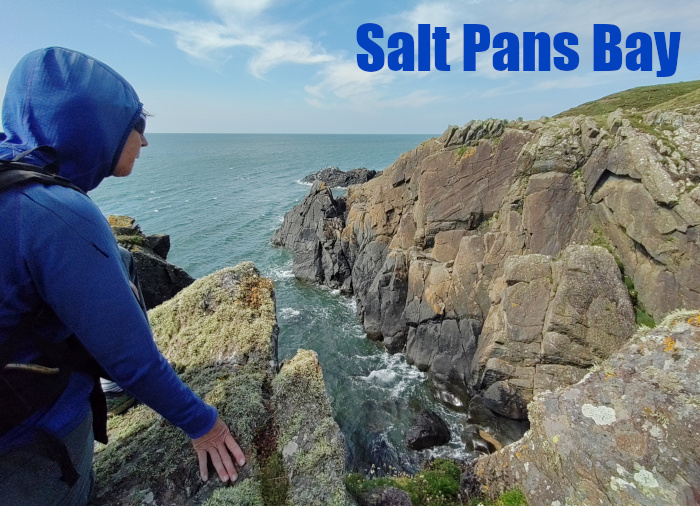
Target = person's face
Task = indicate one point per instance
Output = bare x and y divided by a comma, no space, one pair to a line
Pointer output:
130,153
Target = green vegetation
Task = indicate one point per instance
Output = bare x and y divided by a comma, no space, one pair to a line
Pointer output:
246,493
274,483
437,484
465,151
131,240
642,98
643,318
511,498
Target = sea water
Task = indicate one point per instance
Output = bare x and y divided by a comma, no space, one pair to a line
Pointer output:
220,197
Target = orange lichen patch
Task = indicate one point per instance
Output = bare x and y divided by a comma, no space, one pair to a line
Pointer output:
609,375
254,291
670,345
695,321
120,221
466,153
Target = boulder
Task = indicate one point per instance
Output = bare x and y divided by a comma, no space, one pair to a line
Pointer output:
386,496
336,178
427,431
160,244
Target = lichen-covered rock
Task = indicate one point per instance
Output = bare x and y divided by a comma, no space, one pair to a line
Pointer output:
625,434
160,280
387,496
312,446
220,334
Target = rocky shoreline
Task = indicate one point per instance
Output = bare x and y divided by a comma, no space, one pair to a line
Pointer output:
507,259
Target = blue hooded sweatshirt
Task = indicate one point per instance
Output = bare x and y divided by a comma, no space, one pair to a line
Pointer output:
57,250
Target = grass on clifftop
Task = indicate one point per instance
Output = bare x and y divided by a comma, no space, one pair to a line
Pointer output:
641,98
438,484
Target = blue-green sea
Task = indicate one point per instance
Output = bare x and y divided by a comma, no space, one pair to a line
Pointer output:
220,197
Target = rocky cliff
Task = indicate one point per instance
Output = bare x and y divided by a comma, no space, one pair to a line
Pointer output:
220,334
160,280
507,258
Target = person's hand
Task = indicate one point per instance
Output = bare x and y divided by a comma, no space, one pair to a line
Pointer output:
218,444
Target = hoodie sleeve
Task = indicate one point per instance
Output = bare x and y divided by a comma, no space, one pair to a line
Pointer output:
74,261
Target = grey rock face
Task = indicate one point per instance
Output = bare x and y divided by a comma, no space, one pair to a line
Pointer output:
429,430
312,231
336,178
160,244
473,253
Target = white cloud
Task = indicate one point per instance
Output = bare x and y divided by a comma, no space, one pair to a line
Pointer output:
239,25
141,38
283,51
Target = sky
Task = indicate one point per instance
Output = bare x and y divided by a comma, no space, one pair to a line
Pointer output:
290,66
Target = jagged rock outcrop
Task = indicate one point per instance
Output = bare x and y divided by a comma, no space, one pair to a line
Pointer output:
160,280
625,434
336,178
314,237
475,253
428,430
220,334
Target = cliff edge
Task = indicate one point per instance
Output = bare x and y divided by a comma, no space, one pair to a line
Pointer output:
220,335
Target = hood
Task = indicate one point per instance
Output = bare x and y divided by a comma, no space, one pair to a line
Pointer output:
75,104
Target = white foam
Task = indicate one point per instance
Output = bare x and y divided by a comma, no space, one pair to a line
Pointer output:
289,312
281,272
392,374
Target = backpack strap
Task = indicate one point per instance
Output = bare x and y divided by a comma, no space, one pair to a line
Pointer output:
15,173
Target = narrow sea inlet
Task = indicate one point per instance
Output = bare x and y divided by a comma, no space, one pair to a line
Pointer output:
221,197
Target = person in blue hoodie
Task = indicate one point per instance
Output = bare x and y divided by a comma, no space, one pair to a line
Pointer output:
61,278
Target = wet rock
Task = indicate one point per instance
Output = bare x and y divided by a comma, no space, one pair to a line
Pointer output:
428,430
160,244
312,232
336,178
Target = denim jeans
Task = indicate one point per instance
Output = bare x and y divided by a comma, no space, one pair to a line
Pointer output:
29,478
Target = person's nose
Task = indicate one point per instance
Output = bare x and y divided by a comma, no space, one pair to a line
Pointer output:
144,141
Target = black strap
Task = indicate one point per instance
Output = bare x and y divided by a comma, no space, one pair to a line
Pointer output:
14,173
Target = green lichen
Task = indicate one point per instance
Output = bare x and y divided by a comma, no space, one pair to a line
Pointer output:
309,439
678,316
202,324
246,493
